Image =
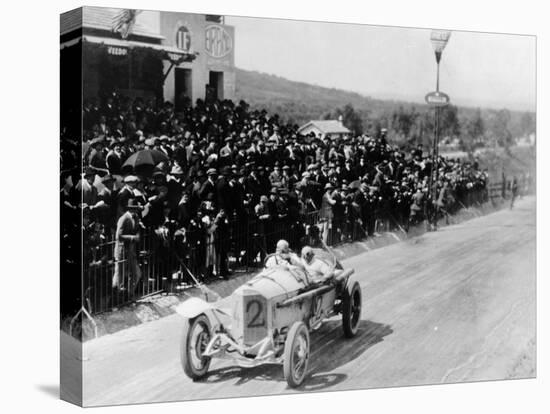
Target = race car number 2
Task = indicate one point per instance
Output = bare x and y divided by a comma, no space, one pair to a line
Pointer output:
254,314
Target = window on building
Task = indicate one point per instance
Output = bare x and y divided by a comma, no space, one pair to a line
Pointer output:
215,18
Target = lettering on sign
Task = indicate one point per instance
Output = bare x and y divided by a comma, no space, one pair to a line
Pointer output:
117,51
218,41
437,99
183,39
174,57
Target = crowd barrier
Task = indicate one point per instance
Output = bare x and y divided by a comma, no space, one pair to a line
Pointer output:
164,259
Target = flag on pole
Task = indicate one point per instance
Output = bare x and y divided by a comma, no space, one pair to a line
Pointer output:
124,21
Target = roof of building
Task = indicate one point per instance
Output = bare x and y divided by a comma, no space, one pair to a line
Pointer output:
326,127
102,18
70,20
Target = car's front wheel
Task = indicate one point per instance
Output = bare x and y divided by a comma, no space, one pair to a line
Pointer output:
195,338
351,310
296,354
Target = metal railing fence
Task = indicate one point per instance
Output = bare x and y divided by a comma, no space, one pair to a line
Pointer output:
162,259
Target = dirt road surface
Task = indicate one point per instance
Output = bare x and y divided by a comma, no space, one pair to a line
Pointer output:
449,306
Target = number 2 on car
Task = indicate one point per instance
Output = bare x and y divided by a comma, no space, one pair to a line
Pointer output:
255,315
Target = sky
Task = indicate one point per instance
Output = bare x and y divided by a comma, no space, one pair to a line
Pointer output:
477,69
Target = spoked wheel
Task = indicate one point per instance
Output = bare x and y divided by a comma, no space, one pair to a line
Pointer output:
296,354
351,310
195,338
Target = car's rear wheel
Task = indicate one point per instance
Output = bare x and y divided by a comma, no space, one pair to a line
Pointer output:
351,310
296,354
195,338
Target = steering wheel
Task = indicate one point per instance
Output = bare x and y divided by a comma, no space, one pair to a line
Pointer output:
269,256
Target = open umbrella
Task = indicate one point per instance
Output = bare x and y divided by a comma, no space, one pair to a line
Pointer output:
354,185
144,160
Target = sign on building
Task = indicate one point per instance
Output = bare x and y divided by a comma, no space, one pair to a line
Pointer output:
218,41
183,39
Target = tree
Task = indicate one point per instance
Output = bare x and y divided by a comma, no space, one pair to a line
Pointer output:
401,121
404,123
449,123
527,123
475,127
500,128
350,118
427,129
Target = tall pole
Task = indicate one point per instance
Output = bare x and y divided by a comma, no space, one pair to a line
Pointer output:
435,158
432,184
439,40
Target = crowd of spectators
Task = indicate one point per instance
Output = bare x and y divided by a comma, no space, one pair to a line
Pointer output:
236,180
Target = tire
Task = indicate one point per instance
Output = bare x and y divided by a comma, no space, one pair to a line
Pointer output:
194,364
296,354
351,310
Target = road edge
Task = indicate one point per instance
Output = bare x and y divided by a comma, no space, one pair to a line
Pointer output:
161,305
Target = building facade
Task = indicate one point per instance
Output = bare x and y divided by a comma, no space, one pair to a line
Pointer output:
176,57
333,129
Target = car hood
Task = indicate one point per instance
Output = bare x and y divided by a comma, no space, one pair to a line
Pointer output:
274,282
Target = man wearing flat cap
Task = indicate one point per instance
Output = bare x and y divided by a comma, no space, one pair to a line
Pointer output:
127,239
126,193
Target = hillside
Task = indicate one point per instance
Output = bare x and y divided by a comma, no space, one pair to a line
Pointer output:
298,102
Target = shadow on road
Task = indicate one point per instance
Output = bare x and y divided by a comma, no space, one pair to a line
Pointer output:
330,350
271,372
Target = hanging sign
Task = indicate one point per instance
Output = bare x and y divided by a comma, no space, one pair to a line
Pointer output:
437,99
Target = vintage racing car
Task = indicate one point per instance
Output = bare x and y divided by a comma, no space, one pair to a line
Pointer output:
268,319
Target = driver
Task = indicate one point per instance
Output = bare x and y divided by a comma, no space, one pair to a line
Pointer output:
283,256
318,269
